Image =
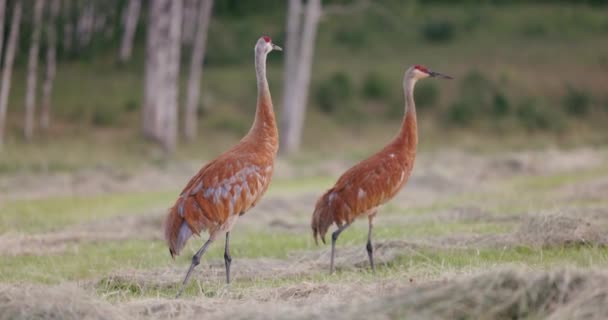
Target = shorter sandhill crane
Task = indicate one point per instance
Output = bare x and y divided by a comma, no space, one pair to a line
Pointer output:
228,186
362,189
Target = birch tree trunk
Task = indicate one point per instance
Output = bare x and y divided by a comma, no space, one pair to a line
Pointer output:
162,72
86,21
131,18
296,108
32,72
292,44
9,58
51,69
190,18
196,69
68,28
169,120
2,9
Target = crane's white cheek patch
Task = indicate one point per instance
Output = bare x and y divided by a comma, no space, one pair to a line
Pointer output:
361,194
392,155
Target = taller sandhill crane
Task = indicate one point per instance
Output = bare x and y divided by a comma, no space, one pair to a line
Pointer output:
365,187
228,186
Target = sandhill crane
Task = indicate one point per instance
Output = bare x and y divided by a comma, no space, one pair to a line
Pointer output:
228,186
365,187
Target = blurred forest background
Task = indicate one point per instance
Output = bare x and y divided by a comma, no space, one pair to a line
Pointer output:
528,74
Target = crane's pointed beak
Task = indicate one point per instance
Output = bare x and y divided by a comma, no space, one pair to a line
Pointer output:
275,47
439,75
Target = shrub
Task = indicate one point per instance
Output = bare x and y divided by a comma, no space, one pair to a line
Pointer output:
533,116
460,113
334,92
131,105
426,94
350,38
438,31
476,93
375,87
229,124
500,105
105,117
576,102
534,29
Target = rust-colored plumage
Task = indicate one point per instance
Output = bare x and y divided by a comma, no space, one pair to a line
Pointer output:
234,182
362,189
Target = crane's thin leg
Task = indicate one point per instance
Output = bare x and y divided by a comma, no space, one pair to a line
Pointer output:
369,247
227,257
334,237
196,260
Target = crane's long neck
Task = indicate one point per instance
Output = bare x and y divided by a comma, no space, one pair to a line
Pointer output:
264,126
408,135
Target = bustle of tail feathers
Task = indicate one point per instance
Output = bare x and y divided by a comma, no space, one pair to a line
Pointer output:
177,232
323,216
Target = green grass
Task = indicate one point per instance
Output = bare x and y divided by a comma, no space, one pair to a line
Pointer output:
37,215
421,264
85,260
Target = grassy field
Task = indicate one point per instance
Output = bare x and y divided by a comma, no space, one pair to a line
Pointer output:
504,217
527,228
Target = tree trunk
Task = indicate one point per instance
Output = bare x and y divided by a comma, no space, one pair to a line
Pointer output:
292,43
51,69
9,58
85,26
169,122
2,9
196,69
294,117
162,72
68,28
190,16
32,72
131,18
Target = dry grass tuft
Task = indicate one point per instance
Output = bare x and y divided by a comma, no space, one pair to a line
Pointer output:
508,294
56,302
564,229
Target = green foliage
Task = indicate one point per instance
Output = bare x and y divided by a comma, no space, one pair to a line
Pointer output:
229,124
375,86
438,31
350,38
427,94
500,105
476,93
131,105
105,117
534,29
576,102
335,93
460,113
532,115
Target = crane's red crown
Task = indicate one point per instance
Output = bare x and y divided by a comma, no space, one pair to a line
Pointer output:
421,68
267,39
